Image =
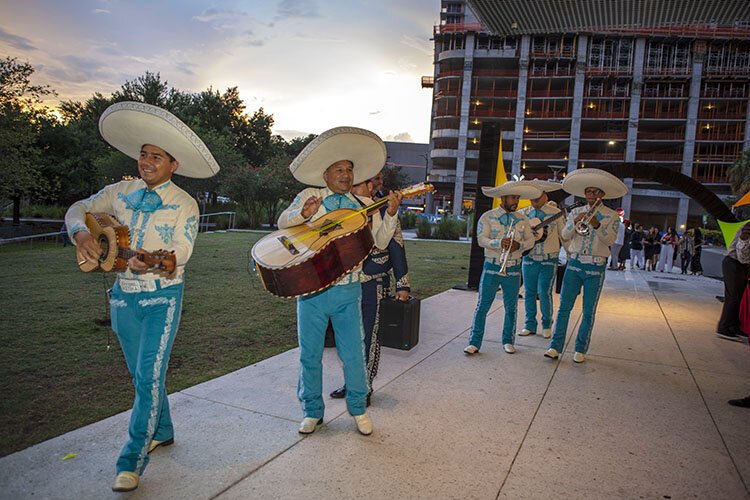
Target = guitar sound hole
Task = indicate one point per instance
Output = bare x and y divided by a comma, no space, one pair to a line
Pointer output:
104,244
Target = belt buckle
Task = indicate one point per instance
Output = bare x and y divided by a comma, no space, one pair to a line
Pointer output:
130,286
586,259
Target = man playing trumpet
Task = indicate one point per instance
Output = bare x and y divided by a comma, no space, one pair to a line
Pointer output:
591,230
504,234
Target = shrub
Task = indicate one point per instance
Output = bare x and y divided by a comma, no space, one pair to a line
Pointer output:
408,219
714,237
424,229
44,211
449,229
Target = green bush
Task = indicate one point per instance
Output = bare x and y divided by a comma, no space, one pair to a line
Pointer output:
408,219
424,229
449,229
715,237
44,211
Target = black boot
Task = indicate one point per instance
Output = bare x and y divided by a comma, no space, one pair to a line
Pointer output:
339,393
742,403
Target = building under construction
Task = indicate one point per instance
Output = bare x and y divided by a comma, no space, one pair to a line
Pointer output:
586,83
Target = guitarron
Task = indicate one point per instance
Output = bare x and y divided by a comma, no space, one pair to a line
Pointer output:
113,239
305,259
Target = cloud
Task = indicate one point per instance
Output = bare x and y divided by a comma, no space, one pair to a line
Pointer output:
16,41
375,112
402,137
101,11
220,19
288,135
77,69
307,38
421,44
296,8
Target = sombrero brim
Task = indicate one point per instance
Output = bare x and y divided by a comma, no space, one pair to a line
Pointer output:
524,189
363,148
127,126
547,186
577,181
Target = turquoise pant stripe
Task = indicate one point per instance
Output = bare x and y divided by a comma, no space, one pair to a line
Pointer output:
340,304
538,278
590,278
488,284
146,324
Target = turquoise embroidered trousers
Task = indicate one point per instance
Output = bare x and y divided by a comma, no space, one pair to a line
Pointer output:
488,284
590,278
538,278
146,324
342,305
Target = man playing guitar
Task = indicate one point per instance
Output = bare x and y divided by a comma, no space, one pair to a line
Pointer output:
540,264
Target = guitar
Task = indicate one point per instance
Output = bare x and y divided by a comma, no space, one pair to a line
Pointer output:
304,259
113,238
537,224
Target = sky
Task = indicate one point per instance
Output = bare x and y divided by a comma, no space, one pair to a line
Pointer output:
312,64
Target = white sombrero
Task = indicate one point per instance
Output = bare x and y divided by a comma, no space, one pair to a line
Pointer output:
577,181
363,148
524,189
546,186
127,126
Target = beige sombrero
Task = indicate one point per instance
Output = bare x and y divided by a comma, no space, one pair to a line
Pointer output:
546,186
577,181
127,126
524,189
363,148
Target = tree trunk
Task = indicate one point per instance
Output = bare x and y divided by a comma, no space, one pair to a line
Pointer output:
17,210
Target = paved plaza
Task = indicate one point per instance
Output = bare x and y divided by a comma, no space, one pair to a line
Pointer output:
646,416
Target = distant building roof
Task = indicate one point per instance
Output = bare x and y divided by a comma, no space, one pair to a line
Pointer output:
508,17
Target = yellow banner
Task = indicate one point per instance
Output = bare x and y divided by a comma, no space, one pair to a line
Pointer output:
501,178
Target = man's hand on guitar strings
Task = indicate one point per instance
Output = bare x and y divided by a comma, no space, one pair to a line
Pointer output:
394,200
87,246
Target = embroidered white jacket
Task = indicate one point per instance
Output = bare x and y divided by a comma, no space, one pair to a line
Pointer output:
550,247
492,227
173,226
598,241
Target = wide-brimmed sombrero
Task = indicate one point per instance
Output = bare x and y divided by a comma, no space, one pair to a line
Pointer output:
363,148
577,181
546,186
524,189
128,125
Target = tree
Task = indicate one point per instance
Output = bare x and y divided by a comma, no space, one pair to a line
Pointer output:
21,112
739,174
394,178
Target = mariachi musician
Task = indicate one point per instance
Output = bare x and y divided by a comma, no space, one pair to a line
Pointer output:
376,282
540,263
504,234
332,163
591,230
145,306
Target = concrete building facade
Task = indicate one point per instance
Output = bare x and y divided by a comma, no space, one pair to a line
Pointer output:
677,97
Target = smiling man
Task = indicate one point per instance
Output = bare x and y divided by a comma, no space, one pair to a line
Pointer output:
332,163
145,306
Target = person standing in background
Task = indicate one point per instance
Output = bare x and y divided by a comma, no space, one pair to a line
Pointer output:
636,248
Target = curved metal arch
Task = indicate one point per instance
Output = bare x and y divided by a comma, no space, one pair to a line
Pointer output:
687,185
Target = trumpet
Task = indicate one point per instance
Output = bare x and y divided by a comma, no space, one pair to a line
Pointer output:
510,233
583,226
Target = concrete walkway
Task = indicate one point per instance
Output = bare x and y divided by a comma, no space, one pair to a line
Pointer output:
645,417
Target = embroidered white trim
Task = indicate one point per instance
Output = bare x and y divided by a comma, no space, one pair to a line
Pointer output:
118,303
158,362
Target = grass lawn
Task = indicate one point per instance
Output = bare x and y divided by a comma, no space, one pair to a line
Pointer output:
61,366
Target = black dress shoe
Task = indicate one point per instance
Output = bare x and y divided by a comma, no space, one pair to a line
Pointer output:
742,403
730,335
339,393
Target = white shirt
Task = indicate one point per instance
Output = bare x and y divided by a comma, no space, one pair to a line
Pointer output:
598,241
492,228
550,247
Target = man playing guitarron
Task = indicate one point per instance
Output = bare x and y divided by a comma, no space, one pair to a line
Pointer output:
333,162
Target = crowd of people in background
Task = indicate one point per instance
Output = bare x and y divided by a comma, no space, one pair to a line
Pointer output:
655,250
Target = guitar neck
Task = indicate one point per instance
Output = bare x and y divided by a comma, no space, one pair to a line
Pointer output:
126,253
549,220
